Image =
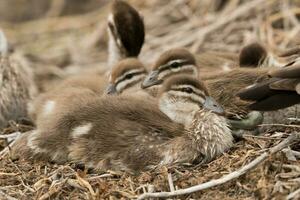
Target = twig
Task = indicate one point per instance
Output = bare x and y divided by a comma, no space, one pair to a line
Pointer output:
87,185
12,135
286,142
100,176
52,190
2,194
293,194
170,180
6,150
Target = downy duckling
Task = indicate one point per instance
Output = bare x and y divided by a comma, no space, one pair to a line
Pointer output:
125,77
124,133
16,86
126,32
252,55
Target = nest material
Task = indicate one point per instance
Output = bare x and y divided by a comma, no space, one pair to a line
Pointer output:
59,45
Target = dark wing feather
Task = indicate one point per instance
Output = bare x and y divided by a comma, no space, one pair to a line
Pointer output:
258,91
292,71
280,100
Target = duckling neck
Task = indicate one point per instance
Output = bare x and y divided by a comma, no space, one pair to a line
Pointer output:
210,134
114,52
182,113
3,44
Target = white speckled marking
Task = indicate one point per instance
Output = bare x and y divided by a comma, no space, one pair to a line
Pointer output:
49,107
81,130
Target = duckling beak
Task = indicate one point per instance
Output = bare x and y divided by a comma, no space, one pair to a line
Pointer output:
151,79
111,89
212,105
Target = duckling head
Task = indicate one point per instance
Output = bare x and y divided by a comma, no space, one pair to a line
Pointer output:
126,32
182,96
172,62
126,75
252,55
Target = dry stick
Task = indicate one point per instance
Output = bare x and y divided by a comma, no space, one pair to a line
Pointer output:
5,151
171,184
241,10
293,194
286,142
6,196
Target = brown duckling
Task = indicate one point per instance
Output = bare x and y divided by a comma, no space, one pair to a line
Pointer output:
16,86
252,55
124,133
126,32
125,77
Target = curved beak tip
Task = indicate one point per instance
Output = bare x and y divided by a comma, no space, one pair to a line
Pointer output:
151,79
111,89
212,105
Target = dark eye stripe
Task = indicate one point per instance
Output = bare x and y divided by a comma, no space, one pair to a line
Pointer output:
169,64
132,75
198,94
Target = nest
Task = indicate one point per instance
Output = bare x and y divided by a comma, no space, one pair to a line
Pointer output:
60,44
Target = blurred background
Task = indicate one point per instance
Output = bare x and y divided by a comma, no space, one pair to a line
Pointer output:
62,37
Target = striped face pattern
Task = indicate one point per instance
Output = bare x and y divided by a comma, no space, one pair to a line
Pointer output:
129,79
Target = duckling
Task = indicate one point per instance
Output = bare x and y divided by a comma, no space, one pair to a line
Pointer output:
126,32
124,133
252,55
125,77
16,86
220,85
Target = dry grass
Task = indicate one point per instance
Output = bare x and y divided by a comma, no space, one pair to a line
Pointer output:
60,46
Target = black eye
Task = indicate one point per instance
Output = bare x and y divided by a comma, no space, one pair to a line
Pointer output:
187,90
175,64
128,76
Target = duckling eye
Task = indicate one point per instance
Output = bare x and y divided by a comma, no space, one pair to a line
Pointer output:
174,64
128,76
187,90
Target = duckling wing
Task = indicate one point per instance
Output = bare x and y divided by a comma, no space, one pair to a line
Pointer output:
278,92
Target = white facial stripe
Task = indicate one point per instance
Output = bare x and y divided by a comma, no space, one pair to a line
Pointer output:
133,71
129,82
196,90
193,96
176,61
81,130
183,69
